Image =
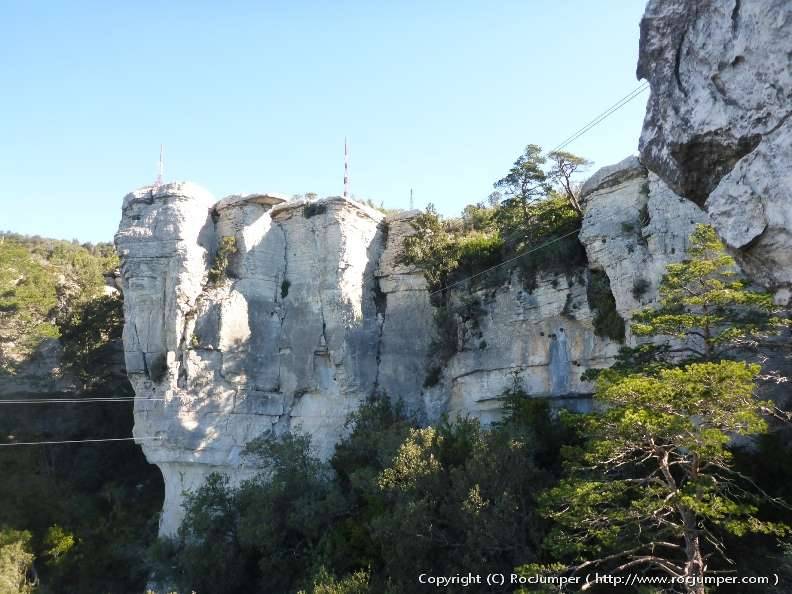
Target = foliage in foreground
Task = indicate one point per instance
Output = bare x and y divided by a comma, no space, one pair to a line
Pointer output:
655,488
395,500
654,484
16,562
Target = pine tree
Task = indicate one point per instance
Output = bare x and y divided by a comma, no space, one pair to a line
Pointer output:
653,488
705,303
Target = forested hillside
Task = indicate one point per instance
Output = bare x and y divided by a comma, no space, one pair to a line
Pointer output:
74,517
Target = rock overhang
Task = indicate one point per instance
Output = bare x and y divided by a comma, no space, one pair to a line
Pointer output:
266,199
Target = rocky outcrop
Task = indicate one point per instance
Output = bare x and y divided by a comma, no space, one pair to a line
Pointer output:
718,128
633,227
285,340
256,316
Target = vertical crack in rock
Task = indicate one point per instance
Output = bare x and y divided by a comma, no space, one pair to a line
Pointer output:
380,308
283,306
678,64
320,292
735,17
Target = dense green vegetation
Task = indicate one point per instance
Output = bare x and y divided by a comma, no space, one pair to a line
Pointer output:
652,481
41,281
394,500
535,204
77,518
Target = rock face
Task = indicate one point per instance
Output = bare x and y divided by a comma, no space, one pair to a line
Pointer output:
718,128
286,340
633,227
256,316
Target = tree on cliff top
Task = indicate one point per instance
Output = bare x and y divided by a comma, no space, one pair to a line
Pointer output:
565,166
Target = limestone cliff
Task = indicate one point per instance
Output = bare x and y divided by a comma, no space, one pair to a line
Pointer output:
718,127
314,312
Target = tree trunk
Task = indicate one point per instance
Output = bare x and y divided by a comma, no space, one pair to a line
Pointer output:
694,565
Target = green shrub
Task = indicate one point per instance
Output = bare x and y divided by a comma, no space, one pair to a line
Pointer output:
607,321
87,332
219,269
326,583
16,560
208,554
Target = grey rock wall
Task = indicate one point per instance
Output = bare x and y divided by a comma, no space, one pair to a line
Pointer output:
634,226
718,128
316,313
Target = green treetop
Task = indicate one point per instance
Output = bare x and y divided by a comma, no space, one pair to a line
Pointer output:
705,303
653,488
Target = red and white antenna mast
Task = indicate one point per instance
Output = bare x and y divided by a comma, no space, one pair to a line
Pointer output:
346,169
158,183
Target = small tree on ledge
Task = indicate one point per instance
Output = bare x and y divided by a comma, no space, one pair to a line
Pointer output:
703,302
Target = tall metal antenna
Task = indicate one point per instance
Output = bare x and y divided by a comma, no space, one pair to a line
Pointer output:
346,169
412,202
158,183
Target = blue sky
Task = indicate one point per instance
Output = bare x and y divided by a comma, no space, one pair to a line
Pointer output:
257,96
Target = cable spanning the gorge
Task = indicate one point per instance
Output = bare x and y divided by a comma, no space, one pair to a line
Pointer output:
570,139
102,440
75,400
603,116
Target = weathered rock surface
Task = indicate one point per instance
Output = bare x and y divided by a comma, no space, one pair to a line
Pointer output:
544,336
633,227
315,312
286,341
718,129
